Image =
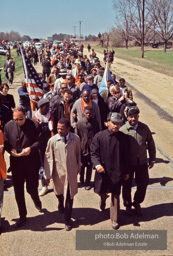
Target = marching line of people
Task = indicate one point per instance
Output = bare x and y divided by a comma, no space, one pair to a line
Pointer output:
73,131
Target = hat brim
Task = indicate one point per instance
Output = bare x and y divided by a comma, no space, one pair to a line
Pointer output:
116,120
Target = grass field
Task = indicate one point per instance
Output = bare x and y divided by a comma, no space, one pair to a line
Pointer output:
18,65
154,59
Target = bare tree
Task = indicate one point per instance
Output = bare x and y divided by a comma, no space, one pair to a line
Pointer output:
162,13
12,36
123,18
116,37
140,23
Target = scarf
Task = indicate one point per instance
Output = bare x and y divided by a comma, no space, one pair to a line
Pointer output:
84,104
44,119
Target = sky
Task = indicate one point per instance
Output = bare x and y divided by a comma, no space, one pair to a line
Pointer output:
42,18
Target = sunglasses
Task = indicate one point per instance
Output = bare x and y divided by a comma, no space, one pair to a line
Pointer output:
63,88
18,119
116,92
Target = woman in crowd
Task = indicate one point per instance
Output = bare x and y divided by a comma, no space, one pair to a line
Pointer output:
7,99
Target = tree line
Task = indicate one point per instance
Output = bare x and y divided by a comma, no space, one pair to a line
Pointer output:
148,20
15,36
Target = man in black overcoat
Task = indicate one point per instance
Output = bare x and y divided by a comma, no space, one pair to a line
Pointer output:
109,155
21,141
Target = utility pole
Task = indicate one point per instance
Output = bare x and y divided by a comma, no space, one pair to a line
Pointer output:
74,31
143,25
80,29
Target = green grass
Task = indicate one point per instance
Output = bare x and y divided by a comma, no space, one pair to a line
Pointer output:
18,65
154,59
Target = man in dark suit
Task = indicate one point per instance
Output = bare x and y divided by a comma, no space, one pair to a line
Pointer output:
46,67
62,108
109,155
21,141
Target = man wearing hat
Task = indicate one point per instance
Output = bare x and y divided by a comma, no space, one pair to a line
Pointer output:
44,117
89,85
109,155
140,140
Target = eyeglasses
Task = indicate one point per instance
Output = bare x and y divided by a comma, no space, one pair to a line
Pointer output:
18,119
63,88
116,92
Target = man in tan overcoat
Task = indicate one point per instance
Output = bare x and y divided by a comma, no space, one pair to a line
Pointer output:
62,164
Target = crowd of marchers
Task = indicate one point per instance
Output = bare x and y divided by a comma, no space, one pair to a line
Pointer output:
72,131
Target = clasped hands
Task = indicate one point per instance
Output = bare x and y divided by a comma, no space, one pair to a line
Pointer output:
25,152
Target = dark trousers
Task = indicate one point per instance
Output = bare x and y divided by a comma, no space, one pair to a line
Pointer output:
6,74
141,179
68,205
46,74
19,177
86,162
10,77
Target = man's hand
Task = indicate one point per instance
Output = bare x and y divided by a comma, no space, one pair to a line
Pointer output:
14,153
121,98
100,169
151,164
26,151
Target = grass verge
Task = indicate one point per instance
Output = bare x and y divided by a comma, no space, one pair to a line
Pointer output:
154,59
18,65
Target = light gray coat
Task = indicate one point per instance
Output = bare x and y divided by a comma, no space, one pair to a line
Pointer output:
62,163
77,109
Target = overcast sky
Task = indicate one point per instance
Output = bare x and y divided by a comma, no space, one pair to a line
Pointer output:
42,18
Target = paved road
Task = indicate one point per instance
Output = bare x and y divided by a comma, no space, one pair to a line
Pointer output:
44,232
